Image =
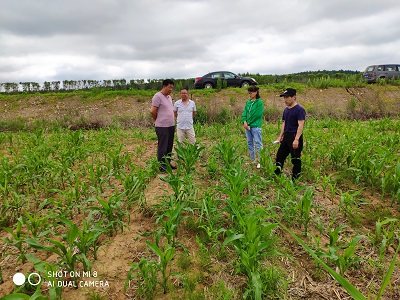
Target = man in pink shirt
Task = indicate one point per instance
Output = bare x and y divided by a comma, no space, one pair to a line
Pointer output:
164,122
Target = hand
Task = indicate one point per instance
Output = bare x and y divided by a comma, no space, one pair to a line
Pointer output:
246,126
295,144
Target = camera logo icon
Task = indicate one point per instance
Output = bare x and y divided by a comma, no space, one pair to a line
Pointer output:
33,279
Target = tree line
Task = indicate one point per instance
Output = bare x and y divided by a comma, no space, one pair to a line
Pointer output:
155,84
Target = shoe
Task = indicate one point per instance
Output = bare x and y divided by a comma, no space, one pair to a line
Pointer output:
173,167
258,166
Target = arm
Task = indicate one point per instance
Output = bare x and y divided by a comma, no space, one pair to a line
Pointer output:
175,113
298,134
153,111
244,118
279,139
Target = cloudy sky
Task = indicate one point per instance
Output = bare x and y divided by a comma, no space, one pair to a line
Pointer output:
46,40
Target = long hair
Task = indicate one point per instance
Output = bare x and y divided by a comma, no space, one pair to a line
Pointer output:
253,88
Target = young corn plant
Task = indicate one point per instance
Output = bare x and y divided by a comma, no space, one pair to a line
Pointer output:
235,182
146,274
170,221
342,255
134,185
112,213
66,252
305,206
88,236
210,216
175,180
349,201
37,225
255,242
17,239
227,151
385,233
351,289
188,154
165,255
46,272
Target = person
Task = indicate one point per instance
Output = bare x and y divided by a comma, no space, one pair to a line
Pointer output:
185,110
291,134
164,122
252,119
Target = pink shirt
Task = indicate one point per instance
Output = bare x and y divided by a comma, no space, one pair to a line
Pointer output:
165,112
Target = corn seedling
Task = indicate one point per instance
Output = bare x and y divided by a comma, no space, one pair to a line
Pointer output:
36,224
18,239
384,234
111,212
227,151
188,154
170,221
212,166
88,236
342,255
47,271
252,245
210,216
349,201
66,252
305,205
145,272
165,255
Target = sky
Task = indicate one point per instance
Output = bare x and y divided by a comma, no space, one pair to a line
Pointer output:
48,40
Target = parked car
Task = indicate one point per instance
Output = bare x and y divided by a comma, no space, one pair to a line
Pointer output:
209,80
375,72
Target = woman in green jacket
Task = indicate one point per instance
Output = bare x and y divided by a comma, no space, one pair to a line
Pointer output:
252,120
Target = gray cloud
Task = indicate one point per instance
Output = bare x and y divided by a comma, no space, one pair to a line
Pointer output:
104,39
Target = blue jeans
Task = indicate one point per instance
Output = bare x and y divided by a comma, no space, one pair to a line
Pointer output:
254,142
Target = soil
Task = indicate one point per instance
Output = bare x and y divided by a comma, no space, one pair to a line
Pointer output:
366,102
113,260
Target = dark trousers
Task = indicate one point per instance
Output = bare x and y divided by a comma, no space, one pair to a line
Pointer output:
165,137
286,148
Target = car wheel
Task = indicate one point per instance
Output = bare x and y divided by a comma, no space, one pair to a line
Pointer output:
245,84
208,85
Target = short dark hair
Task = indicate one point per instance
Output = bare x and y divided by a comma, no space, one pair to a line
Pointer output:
166,82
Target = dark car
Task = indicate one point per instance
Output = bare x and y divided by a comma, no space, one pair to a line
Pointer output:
375,72
209,80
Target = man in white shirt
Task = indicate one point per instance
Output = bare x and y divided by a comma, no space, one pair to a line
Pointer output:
184,110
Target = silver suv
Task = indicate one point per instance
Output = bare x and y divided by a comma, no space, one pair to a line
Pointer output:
375,72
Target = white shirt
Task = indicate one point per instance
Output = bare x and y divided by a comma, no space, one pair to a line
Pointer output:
185,113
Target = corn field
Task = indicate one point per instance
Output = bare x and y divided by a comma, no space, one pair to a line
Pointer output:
93,202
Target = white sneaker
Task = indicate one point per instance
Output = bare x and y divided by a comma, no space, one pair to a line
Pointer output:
258,166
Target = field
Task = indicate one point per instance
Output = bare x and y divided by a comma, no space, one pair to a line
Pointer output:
81,193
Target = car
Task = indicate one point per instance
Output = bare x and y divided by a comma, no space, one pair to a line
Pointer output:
228,79
386,71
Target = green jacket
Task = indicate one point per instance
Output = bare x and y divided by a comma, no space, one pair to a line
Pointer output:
253,113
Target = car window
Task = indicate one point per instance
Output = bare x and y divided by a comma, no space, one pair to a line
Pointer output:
216,75
381,68
390,68
370,69
229,75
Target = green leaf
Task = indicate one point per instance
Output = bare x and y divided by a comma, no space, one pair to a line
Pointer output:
386,280
232,238
155,248
351,289
17,296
